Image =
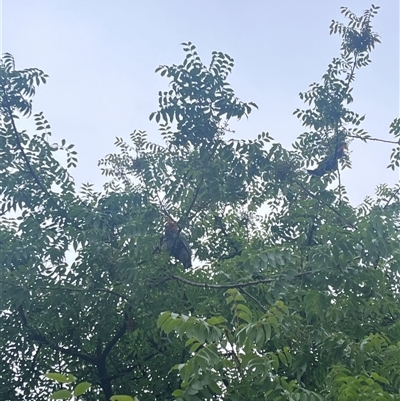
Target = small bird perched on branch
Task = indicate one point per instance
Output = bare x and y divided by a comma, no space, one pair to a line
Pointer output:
330,163
177,244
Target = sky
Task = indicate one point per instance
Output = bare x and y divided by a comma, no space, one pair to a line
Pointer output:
101,56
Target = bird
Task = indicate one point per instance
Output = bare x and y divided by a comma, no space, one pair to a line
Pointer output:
177,244
330,163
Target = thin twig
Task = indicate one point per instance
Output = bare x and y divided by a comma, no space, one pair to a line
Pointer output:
131,368
219,286
325,204
37,336
196,194
233,351
186,215
113,341
372,139
351,75
72,289
393,195
255,300
227,286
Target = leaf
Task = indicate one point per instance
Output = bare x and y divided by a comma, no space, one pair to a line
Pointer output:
215,388
200,332
59,377
239,297
171,324
288,355
81,388
216,320
244,308
275,361
195,347
123,398
163,318
260,337
268,331
244,316
379,378
61,395
178,393
230,299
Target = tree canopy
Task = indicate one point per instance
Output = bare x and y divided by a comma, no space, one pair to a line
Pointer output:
292,293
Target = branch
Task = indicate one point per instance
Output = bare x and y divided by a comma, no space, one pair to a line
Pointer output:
233,352
340,185
220,286
68,351
325,204
200,208
196,194
127,371
226,286
255,300
395,193
113,341
372,139
19,144
73,289
71,352
186,215
6,210
351,75
231,242
131,368
163,208
34,360
116,294
37,336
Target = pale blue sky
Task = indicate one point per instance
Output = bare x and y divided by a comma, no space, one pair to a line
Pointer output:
101,56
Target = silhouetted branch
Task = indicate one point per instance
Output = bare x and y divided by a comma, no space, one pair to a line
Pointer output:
114,340
233,285
372,139
255,300
35,335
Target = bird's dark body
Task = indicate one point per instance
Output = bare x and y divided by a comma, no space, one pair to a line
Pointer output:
330,163
177,244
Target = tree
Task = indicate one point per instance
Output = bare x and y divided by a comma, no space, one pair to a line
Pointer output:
300,304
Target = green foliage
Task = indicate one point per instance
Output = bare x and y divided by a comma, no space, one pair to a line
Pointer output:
298,304
63,394
199,99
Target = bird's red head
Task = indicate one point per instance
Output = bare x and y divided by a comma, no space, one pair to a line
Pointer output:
340,149
171,225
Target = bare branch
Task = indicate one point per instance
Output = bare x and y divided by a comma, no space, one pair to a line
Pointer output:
219,286
234,285
373,139
255,300
113,341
